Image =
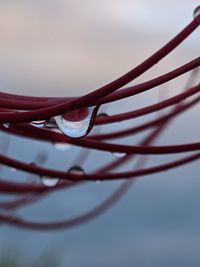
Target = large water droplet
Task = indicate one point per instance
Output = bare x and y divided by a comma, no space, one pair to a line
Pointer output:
76,170
39,123
62,146
196,13
77,123
48,181
119,154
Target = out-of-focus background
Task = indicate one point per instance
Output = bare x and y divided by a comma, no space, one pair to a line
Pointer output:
71,47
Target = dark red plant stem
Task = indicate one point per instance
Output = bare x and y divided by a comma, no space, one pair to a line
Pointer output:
145,126
30,198
176,109
94,176
17,188
150,109
126,185
24,188
88,216
151,170
12,102
103,91
31,132
94,212
132,114
181,148
143,87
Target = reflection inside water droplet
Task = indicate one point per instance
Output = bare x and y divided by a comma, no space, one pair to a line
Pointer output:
76,170
119,154
62,146
76,123
6,125
39,123
50,182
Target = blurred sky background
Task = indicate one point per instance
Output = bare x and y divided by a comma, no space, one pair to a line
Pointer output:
71,47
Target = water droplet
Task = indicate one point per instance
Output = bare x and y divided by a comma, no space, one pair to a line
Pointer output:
39,123
76,123
6,125
196,11
48,181
62,146
98,181
119,154
76,170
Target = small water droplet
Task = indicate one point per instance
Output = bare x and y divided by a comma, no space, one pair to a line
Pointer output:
62,146
119,154
196,11
48,181
76,170
6,125
98,181
39,123
76,123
